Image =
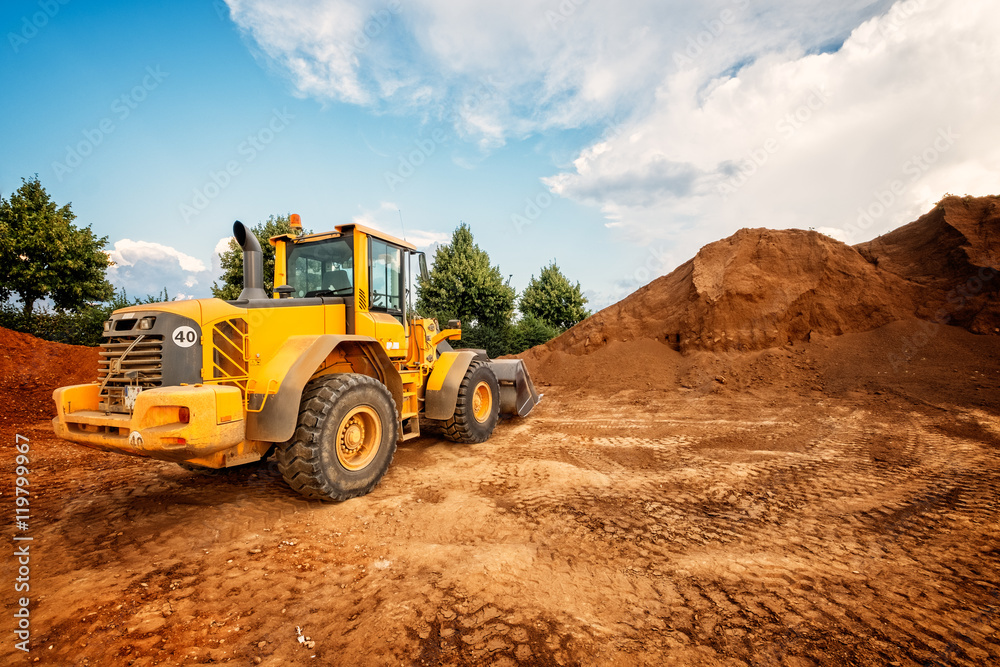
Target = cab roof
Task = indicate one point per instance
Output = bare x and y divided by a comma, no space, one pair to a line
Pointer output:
347,229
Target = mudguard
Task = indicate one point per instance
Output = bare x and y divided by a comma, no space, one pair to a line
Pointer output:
517,392
293,366
441,395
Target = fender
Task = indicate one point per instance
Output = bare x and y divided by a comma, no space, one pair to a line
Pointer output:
295,363
441,395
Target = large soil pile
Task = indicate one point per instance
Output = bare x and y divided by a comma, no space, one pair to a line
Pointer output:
760,288
30,368
715,321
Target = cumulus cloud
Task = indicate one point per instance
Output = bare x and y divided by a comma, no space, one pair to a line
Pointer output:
142,268
852,142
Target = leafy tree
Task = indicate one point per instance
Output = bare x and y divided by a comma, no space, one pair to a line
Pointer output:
232,259
463,285
530,331
552,299
43,254
84,326
496,339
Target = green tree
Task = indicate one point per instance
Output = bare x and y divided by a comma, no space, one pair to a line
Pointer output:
530,331
232,259
463,285
44,255
553,299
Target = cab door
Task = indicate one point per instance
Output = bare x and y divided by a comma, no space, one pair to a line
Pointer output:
387,296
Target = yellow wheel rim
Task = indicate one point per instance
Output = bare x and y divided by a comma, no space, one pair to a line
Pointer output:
482,402
359,437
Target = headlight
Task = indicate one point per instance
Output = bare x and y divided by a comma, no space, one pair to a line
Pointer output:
107,325
146,323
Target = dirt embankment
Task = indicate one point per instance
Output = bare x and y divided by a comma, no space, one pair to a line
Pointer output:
798,309
762,288
953,255
30,368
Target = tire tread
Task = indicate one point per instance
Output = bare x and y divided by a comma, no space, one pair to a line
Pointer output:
299,459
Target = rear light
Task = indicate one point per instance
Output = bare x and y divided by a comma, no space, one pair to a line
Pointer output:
174,441
184,415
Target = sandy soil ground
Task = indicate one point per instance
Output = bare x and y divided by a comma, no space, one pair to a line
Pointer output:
666,527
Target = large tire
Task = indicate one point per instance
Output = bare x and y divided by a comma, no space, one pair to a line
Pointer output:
344,440
478,407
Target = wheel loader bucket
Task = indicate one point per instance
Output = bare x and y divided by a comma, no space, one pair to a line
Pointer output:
517,392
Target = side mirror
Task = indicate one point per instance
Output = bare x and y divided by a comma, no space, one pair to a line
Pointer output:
422,259
284,291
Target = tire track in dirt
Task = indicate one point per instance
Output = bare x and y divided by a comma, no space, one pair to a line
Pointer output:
847,536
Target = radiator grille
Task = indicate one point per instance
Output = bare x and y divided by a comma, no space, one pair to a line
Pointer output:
142,366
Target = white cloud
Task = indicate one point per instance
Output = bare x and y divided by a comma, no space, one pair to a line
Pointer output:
505,69
875,132
386,218
142,268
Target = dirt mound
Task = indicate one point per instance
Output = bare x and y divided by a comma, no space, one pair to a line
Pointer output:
30,368
953,252
916,360
762,288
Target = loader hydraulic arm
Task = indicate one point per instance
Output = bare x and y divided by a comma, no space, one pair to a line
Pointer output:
454,333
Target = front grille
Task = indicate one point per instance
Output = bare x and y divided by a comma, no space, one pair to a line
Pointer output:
142,366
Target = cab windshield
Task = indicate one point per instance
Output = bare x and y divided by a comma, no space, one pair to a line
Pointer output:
323,268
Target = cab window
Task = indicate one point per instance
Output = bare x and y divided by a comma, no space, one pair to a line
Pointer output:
386,277
323,268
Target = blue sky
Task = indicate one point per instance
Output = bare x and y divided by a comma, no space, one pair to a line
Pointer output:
615,139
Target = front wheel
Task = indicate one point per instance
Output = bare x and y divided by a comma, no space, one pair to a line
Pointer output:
345,438
478,407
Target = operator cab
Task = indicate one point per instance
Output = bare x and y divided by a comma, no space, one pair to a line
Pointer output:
362,268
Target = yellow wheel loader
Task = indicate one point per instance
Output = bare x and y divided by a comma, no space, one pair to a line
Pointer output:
330,372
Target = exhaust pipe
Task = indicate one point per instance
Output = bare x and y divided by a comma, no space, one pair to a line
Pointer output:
253,263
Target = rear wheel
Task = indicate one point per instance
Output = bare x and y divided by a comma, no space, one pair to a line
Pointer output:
478,407
345,439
